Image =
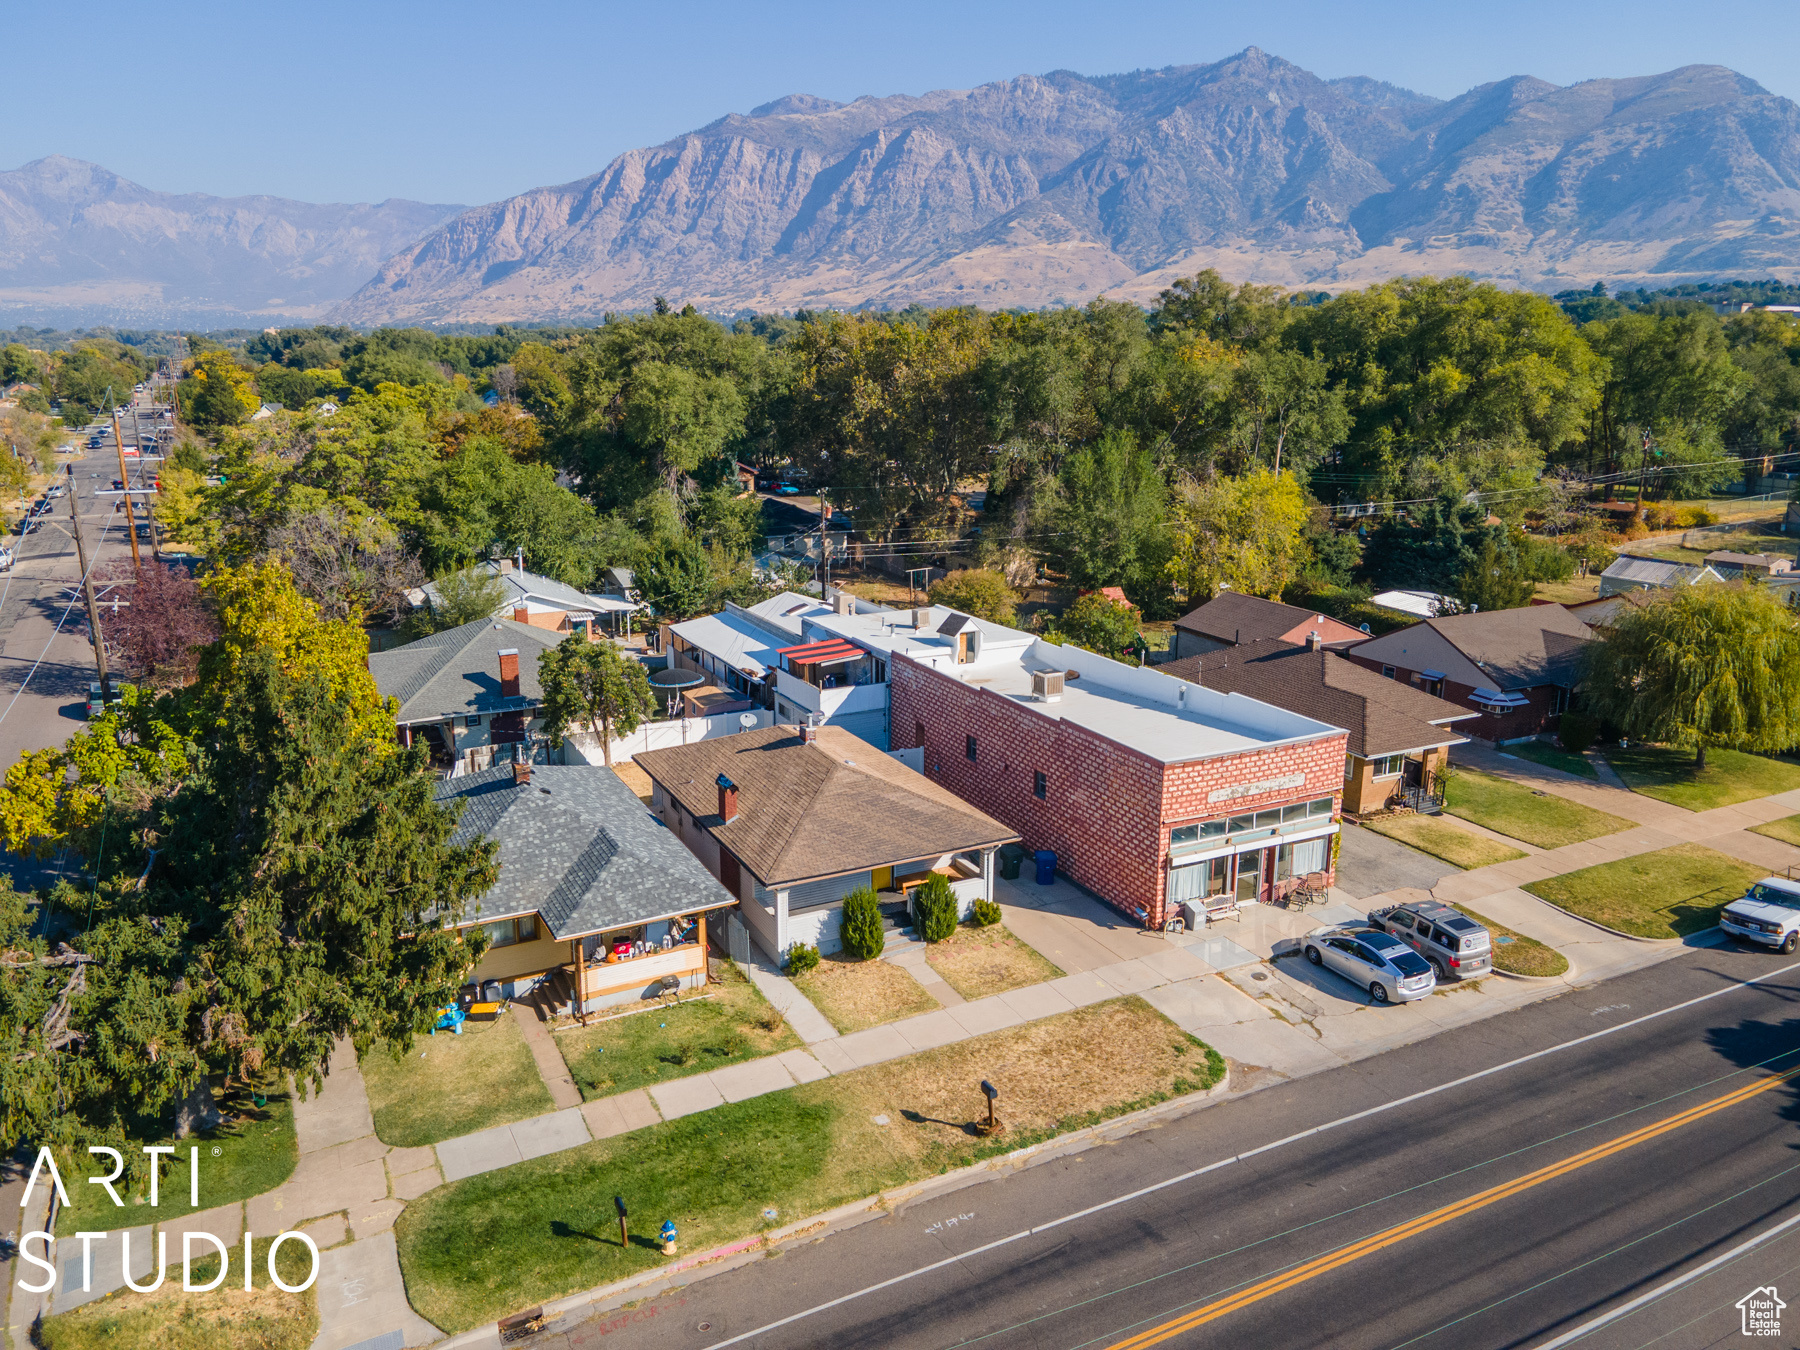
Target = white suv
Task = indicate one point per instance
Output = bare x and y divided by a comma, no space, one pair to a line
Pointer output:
1769,914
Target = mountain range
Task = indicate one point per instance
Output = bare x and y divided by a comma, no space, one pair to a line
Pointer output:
80,245
1031,191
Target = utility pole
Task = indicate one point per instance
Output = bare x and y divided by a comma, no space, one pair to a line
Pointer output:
125,482
87,588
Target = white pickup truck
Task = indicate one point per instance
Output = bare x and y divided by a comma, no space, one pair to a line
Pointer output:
1768,914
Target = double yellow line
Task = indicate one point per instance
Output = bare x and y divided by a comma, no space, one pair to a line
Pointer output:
1343,1256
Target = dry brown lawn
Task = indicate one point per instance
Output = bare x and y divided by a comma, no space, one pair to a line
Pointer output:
856,995
977,962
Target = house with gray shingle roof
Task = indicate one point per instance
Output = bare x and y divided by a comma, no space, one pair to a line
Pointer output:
593,891
466,690
1629,573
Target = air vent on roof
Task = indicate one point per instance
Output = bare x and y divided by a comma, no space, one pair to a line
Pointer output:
1046,685
922,620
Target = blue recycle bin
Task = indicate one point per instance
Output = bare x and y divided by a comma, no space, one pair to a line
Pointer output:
1046,866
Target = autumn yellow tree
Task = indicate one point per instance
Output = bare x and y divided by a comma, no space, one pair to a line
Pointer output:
218,392
1245,533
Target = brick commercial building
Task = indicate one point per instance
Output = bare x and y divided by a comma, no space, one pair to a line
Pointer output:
1150,790
1517,667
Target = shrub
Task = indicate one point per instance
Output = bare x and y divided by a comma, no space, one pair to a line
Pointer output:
986,914
934,909
860,928
1578,731
976,591
802,957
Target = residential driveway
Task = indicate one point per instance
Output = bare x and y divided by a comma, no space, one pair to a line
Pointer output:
1372,864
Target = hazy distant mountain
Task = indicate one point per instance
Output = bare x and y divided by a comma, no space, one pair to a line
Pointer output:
1044,189
80,245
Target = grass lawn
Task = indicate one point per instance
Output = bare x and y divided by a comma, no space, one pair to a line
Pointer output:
449,1085
1515,952
1570,592
977,962
225,1318
1516,811
252,1152
1441,839
1542,752
1787,830
734,1023
1730,776
493,1244
1666,894
856,995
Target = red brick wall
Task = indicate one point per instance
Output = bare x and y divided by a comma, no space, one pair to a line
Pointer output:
1107,810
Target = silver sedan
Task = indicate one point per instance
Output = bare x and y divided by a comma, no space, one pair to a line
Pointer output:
1370,959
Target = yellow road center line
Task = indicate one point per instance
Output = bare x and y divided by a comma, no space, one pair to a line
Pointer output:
1343,1256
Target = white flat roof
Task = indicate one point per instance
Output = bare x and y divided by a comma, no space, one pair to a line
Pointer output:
737,642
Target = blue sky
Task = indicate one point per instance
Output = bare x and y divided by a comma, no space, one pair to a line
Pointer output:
462,102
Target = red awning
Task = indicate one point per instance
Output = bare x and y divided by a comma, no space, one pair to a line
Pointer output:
810,653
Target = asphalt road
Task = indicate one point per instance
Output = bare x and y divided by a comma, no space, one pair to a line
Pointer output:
46,661
1380,1231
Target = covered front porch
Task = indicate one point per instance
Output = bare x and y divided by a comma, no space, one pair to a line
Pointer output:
811,911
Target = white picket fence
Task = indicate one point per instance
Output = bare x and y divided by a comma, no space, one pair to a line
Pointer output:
584,747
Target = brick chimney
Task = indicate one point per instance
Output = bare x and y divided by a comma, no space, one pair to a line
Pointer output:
809,734
509,673
521,614
1314,641
727,799
521,773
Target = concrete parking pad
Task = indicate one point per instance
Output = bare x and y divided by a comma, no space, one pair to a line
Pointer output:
803,1067
1221,953
1271,1044
619,1114
1200,1004
1176,963
685,1096
753,1078
931,1030
1372,864
361,1297
482,1151
985,1015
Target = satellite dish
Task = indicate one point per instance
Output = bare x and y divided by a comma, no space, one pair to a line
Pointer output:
747,721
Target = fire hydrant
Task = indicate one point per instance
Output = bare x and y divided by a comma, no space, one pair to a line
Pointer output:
668,1235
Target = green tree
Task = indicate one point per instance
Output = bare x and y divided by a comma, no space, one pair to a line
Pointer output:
679,581
1494,580
464,596
1248,533
934,909
217,392
588,684
1701,666
1098,623
976,591
1110,516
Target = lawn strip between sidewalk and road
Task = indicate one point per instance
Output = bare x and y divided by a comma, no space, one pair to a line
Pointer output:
732,1023
1441,839
226,1318
980,962
856,995
1671,893
1730,776
449,1085
1541,819
1424,1223
1787,830
1519,955
492,1244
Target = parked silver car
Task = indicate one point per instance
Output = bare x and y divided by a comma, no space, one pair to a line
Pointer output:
1373,960
1457,947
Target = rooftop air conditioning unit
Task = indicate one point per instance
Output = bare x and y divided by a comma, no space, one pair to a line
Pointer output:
922,620
1046,685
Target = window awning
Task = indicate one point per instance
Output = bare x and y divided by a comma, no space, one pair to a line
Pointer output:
1433,674
1494,699
811,653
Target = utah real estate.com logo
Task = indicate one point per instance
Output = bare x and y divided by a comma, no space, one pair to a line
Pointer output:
1761,1311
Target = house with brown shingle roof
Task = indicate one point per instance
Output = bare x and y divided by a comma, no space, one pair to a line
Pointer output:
1229,619
1517,667
1399,736
793,819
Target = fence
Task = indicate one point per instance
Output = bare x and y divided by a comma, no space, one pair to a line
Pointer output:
584,747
